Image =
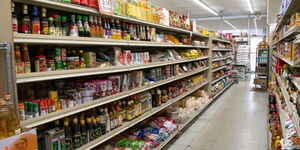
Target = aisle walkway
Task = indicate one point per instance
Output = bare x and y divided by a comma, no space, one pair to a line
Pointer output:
235,121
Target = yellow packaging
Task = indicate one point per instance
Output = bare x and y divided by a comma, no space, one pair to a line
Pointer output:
53,95
297,19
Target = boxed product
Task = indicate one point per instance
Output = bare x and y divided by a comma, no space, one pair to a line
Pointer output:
26,140
164,17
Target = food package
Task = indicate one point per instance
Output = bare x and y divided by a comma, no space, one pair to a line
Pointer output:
128,57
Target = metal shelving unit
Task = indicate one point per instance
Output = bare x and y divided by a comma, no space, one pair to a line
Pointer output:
223,90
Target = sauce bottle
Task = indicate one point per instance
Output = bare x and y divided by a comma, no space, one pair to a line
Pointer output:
56,22
108,29
25,21
96,129
51,26
44,22
76,134
102,121
118,29
113,29
96,27
81,59
107,119
90,129
93,30
19,66
68,135
25,58
14,19
73,27
84,136
101,28
80,26
35,21
86,27
65,26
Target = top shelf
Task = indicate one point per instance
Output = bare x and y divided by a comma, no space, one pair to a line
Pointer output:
221,40
292,8
91,11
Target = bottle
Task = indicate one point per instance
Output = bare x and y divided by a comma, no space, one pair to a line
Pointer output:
148,34
21,112
51,26
164,97
147,10
35,21
57,26
96,129
76,134
113,29
65,26
101,28
83,130
86,27
93,32
14,19
44,22
4,116
138,32
107,127
128,32
80,26
131,31
96,27
91,3
73,31
90,129
25,58
13,120
81,59
25,21
118,29
84,2
108,29
102,121
123,31
124,109
68,135
18,59
76,2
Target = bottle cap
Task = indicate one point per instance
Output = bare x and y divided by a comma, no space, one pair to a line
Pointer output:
94,121
50,19
78,17
64,18
66,123
34,11
82,122
85,18
44,10
88,120
75,120
21,106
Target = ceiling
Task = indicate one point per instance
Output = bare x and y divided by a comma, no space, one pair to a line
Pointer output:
223,7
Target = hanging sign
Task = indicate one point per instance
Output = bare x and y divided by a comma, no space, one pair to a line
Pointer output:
105,7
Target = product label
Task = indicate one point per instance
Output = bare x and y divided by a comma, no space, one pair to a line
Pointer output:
35,27
27,67
73,31
52,31
77,140
15,25
105,7
24,28
84,138
68,143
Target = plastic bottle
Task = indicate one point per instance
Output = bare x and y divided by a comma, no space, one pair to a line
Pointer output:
14,19
44,22
93,25
80,26
148,10
51,26
25,58
65,26
86,27
4,115
73,31
25,21
101,28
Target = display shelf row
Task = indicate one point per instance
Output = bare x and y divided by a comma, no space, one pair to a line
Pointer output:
292,8
215,81
218,59
291,63
290,34
219,68
296,82
220,49
98,102
67,40
286,96
182,126
91,11
135,121
221,40
282,112
51,75
223,90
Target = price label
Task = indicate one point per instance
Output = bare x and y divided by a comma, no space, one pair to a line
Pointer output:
105,7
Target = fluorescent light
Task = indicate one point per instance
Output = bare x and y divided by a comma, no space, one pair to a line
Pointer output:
250,6
231,25
255,24
206,7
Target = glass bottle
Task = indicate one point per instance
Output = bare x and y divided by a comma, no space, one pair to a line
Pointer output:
113,29
107,127
65,26
25,58
76,134
118,29
80,26
97,130
25,21
96,27
90,129
14,19
18,59
84,136
108,31
51,26
86,27
93,32
101,28
57,25
68,135
73,31
35,21
44,22
81,59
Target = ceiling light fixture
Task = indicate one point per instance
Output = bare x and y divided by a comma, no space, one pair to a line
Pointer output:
231,25
206,7
255,24
250,6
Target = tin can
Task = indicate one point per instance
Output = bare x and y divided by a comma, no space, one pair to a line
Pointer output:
50,65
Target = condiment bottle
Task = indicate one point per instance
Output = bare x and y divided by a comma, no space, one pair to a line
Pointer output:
118,29
76,134
113,29
51,26
81,59
73,27
96,129
25,58
14,19
90,129
86,27
107,127
93,30
83,129
25,22
21,111
65,26
68,135
44,22
101,28
35,21
18,59
80,26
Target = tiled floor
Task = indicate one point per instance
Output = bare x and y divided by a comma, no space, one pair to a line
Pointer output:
235,121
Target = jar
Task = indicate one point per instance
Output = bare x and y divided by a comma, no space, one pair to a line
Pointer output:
50,65
40,63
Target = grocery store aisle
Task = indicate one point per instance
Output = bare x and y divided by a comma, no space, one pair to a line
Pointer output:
235,121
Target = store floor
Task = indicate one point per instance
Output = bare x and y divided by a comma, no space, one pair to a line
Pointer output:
235,121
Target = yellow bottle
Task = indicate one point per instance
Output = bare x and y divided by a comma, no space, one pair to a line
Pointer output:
138,10
134,6
147,10
4,115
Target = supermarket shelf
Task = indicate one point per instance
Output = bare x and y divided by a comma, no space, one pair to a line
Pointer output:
215,81
223,90
291,63
220,40
199,35
102,101
182,126
263,49
218,59
296,82
220,49
291,110
51,75
289,34
297,41
219,68
292,8
282,113
135,121
228,63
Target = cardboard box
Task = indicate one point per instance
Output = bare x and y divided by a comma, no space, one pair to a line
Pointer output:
27,140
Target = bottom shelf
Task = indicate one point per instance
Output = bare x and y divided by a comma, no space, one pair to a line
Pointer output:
182,126
224,89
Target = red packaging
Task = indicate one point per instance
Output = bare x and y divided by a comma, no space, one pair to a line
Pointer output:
84,2
91,3
96,4
76,2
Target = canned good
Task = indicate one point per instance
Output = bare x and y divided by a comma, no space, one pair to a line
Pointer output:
40,63
50,65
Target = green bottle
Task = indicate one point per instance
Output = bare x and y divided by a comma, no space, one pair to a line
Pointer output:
80,26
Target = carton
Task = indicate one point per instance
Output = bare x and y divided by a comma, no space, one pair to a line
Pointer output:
27,140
